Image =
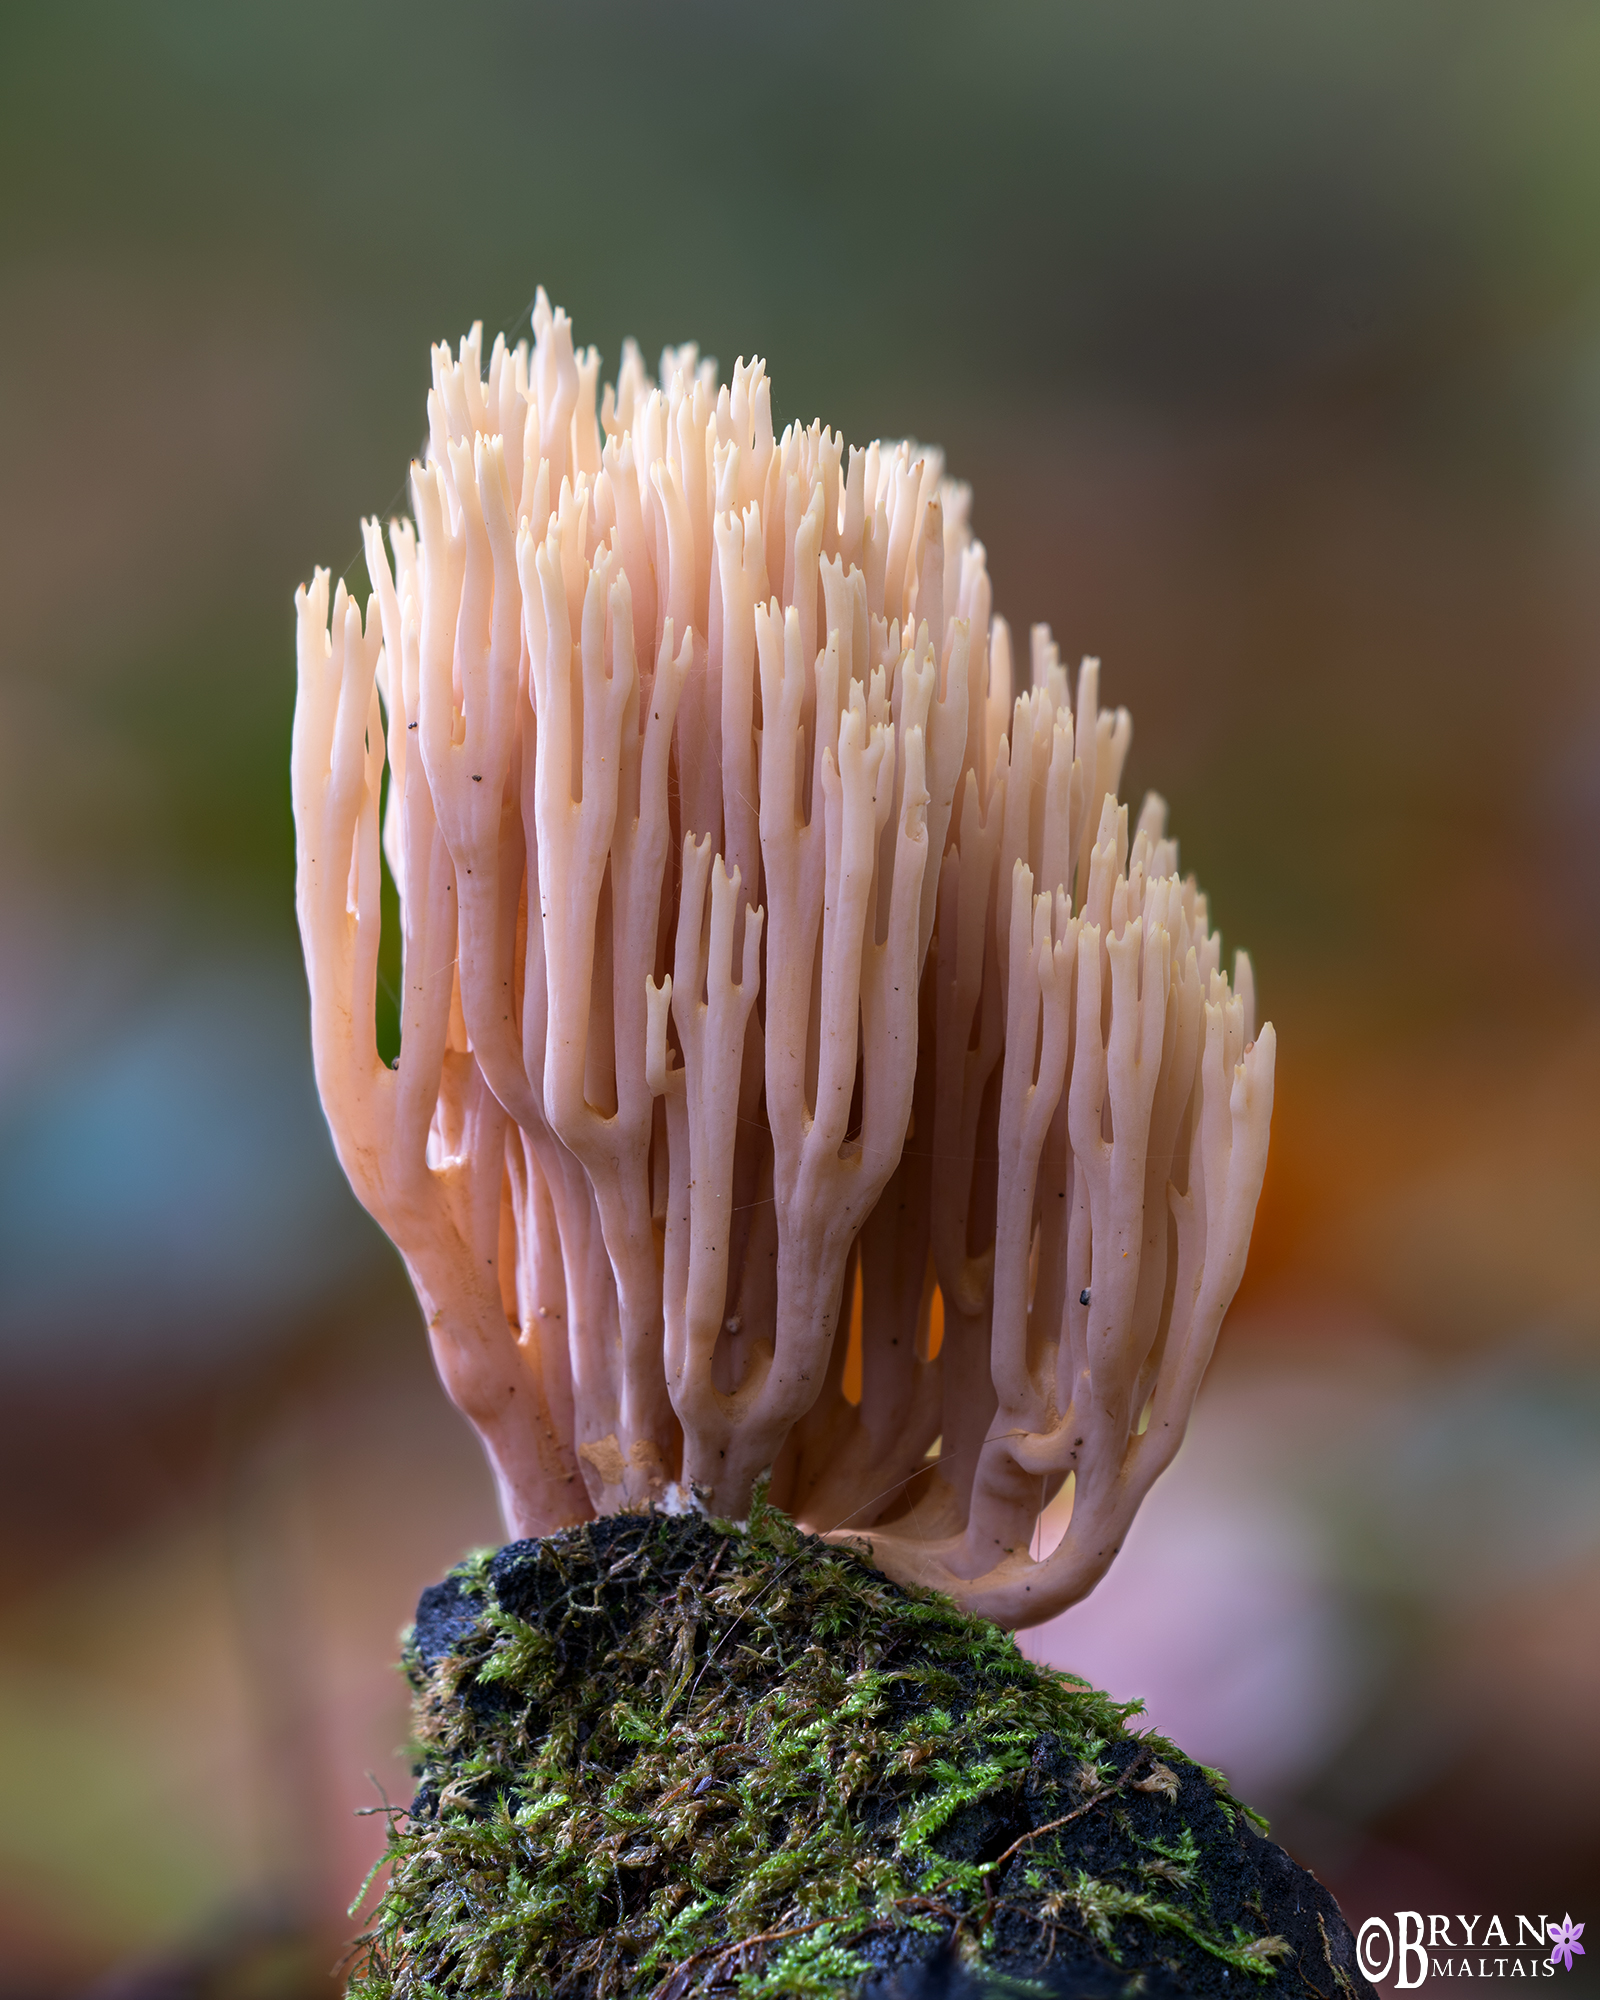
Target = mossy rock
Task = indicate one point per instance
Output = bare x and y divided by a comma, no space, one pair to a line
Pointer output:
667,1756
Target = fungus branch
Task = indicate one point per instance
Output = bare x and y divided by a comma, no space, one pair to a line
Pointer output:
771,967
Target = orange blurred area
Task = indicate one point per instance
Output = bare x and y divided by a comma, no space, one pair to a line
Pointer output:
1270,343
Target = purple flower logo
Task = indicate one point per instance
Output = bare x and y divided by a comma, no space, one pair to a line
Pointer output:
1566,1935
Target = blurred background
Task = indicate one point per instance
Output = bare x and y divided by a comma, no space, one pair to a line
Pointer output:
1270,340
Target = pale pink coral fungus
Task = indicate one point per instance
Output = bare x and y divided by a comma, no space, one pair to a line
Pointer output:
768,963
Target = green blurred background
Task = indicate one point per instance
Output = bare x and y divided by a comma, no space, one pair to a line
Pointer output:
1269,337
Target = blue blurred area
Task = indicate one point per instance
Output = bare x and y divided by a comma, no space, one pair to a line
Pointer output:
169,1196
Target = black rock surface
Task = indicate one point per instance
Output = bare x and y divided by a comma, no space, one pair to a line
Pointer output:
664,1756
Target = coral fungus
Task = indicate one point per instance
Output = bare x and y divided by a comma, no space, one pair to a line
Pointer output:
805,1066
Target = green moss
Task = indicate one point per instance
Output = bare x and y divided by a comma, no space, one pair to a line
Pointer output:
665,1753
